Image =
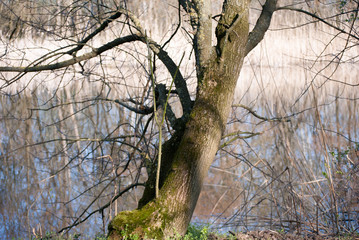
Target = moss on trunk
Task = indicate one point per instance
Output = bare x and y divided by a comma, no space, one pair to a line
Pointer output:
146,223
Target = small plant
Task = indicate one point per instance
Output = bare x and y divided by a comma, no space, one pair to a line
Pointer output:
100,236
197,232
129,236
55,236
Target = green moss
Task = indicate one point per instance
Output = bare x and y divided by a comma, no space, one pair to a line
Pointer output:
147,222
129,224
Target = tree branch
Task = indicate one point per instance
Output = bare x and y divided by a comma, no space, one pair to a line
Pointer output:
162,98
237,135
201,20
102,27
144,110
95,52
262,25
320,20
78,221
172,68
180,83
277,119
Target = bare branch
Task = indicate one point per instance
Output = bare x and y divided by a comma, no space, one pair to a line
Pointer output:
172,68
162,95
179,81
78,221
237,135
95,52
177,28
102,27
144,110
201,21
278,119
72,140
262,25
320,20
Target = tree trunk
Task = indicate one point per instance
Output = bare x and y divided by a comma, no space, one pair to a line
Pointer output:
170,213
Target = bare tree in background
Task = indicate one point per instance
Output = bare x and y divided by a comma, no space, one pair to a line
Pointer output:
177,169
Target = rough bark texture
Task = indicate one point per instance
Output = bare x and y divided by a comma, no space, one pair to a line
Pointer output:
171,212
169,149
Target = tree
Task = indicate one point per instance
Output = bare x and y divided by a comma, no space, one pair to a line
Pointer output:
176,178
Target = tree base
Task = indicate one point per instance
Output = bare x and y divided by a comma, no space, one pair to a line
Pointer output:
149,222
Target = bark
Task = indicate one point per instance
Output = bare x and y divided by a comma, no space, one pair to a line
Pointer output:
194,151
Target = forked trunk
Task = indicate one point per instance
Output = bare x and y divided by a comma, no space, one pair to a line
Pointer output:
170,213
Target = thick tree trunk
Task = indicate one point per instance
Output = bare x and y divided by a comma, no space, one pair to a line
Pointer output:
171,212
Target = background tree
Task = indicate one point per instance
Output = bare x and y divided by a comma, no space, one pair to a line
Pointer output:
89,36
